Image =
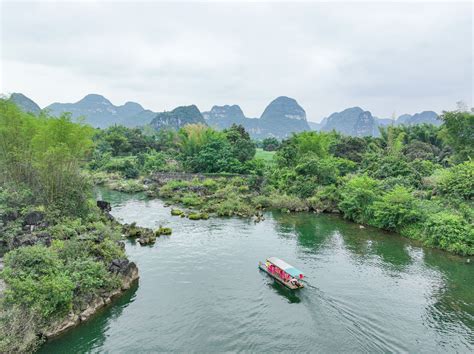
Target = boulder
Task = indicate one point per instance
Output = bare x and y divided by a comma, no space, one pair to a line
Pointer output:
34,218
28,239
104,206
130,276
176,212
163,231
119,266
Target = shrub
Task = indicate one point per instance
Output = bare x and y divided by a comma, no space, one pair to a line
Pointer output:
127,166
326,198
395,209
287,202
357,196
191,199
458,181
450,232
37,279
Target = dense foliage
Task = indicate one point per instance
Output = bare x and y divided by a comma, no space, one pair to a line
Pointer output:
416,180
397,181
58,246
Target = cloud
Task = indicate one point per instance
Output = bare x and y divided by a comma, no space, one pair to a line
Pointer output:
386,57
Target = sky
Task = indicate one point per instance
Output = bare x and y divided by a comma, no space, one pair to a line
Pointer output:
389,58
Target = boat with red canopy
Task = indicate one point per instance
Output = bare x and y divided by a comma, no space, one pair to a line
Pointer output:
283,272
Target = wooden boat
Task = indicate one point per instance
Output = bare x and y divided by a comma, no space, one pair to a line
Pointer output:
283,272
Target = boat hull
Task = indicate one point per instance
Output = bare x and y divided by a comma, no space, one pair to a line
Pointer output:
281,281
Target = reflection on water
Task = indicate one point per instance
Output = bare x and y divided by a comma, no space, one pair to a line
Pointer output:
290,295
200,289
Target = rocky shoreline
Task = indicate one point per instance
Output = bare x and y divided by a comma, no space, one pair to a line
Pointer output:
128,271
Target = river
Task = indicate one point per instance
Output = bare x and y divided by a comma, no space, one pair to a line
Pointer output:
200,289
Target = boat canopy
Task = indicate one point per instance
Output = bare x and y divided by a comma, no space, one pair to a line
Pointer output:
288,268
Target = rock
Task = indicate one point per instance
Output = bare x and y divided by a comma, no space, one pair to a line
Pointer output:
135,231
148,239
130,276
45,238
34,218
176,212
119,266
96,304
104,206
70,321
31,240
198,216
163,231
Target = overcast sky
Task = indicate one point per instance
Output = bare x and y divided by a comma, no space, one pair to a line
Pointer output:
387,58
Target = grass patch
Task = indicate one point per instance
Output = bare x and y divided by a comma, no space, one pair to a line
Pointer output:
266,156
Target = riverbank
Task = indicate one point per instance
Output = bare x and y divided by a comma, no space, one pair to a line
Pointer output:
248,196
128,273
56,272
364,285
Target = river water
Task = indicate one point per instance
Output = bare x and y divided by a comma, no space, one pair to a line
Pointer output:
200,289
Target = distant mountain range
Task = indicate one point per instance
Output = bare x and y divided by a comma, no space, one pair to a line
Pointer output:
282,117
357,122
101,113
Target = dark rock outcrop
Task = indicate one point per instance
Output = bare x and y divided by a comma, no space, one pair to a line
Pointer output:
144,235
27,239
104,206
34,218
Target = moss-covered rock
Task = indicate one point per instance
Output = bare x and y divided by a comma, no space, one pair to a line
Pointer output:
177,212
145,235
163,231
198,216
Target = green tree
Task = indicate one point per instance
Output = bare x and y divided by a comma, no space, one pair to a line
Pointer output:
243,148
270,144
458,132
45,154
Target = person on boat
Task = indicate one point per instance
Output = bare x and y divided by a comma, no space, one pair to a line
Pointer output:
295,282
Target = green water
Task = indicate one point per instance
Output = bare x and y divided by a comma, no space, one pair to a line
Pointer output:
200,290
